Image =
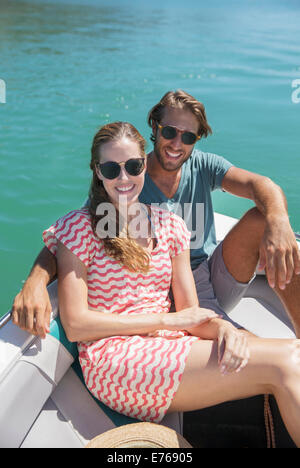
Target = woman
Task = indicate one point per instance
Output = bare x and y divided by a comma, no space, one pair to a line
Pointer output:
115,270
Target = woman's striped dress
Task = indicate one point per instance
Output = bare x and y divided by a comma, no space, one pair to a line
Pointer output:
134,375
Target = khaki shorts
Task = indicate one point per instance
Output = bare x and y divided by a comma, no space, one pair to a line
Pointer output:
216,288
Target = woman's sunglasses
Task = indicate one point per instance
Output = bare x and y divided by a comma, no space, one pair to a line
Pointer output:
111,169
168,132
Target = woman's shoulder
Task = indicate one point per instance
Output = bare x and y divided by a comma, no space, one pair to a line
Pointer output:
81,213
74,230
75,219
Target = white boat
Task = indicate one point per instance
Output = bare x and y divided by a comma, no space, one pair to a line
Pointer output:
44,402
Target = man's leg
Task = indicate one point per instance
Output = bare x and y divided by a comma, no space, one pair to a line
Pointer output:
206,293
241,254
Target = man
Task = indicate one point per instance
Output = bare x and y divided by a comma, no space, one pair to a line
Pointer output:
177,174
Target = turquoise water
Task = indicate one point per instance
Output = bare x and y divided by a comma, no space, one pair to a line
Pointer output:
70,66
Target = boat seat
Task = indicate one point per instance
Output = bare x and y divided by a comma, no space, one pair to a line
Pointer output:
261,312
70,418
31,372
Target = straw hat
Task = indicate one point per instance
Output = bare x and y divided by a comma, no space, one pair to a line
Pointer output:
139,435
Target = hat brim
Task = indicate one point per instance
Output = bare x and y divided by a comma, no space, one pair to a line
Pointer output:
139,435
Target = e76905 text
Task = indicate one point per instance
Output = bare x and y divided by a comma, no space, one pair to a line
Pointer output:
171,457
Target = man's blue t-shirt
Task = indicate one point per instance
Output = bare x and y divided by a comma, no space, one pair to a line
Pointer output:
201,174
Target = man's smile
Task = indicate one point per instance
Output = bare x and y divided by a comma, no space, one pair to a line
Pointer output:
173,154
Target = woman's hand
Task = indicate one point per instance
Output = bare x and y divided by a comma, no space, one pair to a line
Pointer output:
233,350
188,319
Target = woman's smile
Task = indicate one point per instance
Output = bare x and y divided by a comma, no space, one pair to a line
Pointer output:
125,188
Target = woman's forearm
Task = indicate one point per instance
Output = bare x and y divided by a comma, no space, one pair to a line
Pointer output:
91,325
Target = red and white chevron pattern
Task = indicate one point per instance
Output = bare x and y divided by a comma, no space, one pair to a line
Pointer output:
134,375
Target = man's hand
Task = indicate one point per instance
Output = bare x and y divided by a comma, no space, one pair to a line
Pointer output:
32,309
279,253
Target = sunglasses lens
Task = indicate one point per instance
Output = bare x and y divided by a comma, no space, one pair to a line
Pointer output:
168,132
110,170
134,167
189,138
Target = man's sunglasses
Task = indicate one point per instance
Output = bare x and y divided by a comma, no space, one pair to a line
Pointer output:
168,132
111,169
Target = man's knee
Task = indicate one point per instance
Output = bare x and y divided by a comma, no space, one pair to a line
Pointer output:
241,245
247,233
255,219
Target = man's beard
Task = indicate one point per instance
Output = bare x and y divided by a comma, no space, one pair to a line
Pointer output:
165,165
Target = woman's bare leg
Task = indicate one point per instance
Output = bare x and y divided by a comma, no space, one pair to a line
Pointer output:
274,367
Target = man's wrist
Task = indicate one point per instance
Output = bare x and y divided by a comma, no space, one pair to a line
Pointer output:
278,216
38,276
44,268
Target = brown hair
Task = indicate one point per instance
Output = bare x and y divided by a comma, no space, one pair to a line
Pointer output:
123,249
180,100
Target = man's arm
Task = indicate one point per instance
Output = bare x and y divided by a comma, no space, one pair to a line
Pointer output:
268,197
279,252
32,308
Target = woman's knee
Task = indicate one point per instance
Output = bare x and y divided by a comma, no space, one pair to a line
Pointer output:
291,365
287,366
